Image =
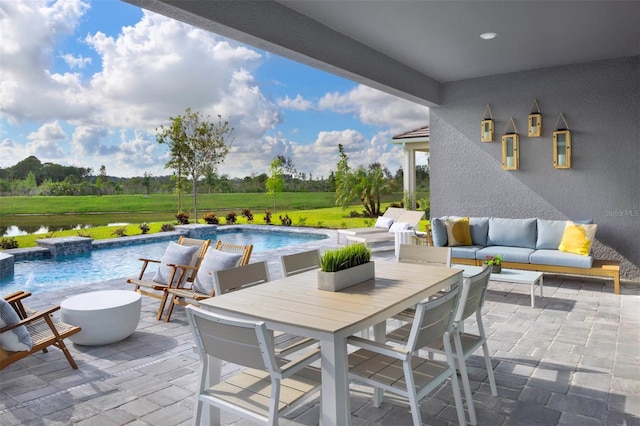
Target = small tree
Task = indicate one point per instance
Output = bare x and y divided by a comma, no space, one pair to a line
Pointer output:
195,146
275,181
146,182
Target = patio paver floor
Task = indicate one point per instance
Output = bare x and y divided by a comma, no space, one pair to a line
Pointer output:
572,360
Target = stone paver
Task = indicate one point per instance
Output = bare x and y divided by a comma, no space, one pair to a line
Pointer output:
571,360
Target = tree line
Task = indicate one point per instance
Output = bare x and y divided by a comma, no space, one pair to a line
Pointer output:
197,146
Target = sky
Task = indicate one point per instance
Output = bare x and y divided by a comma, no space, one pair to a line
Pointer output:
87,83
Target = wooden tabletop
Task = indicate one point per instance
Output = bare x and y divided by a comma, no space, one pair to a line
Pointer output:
297,302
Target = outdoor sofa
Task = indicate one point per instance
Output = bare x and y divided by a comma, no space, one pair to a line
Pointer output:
531,244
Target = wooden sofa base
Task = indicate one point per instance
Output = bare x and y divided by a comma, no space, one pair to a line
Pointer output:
600,268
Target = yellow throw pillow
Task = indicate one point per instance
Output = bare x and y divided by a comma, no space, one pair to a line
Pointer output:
577,238
458,231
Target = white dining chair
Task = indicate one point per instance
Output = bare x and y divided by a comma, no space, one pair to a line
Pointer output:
265,389
465,344
398,369
297,263
235,279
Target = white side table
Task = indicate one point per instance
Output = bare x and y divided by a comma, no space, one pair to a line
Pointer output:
105,316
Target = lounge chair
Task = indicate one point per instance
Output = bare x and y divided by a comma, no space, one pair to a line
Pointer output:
40,326
409,217
392,213
171,272
223,256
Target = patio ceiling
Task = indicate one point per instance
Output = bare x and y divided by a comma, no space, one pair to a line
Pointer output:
408,48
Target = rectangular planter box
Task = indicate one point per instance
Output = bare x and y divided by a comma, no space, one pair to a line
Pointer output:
336,281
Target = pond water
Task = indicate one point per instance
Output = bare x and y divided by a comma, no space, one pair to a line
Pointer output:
108,263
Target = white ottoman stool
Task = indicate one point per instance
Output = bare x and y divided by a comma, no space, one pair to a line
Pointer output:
105,316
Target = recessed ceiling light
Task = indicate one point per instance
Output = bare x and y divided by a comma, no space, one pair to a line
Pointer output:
488,36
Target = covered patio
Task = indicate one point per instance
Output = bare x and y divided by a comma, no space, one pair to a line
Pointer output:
570,360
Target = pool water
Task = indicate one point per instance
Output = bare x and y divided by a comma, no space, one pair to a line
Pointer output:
108,263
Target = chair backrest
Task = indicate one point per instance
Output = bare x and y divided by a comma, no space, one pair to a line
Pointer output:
245,251
412,217
240,277
472,294
202,245
300,262
393,212
433,319
425,254
234,340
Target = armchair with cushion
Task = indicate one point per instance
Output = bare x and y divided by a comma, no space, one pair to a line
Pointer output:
24,332
223,256
178,265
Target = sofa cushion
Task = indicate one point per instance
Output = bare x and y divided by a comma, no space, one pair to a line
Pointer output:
549,234
512,232
479,227
458,232
509,254
465,252
560,258
17,339
577,238
438,232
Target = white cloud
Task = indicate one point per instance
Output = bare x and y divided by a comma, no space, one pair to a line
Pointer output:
377,108
76,61
298,103
45,142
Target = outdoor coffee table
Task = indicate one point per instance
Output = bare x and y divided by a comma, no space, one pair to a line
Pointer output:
105,316
511,276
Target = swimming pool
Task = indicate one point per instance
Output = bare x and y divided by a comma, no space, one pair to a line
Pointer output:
122,261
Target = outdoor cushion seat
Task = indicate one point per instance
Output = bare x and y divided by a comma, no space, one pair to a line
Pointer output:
465,252
509,254
559,258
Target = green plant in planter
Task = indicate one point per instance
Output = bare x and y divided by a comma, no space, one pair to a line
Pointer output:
344,257
493,260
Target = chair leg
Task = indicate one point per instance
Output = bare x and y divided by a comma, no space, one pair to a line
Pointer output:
487,360
172,303
411,393
163,302
457,397
60,344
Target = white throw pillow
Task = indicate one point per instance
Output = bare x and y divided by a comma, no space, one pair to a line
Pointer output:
17,339
399,226
214,260
383,222
175,254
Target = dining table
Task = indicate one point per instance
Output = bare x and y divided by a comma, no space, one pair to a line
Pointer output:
295,305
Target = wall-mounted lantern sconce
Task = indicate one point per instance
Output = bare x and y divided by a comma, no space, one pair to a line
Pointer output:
562,145
511,148
486,134
534,129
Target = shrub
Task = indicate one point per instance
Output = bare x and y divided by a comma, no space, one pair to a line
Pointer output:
167,227
211,218
183,218
320,224
286,221
267,217
247,213
144,227
302,220
231,218
84,234
120,232
344,257
354,213
8,243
